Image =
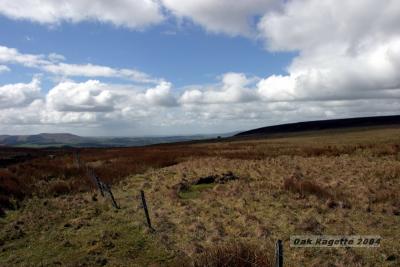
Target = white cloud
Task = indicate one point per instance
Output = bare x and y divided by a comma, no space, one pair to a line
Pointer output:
4,68
90,70
346,50
348,57
51,64
12,55
160,95
54,57
232,89
223,16
90,96
127,13
19,94
16,116
88,104
306,25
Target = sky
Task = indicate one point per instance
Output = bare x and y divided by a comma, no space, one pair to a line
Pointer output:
174,67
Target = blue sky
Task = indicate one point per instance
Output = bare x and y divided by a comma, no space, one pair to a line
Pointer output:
146,67
184,55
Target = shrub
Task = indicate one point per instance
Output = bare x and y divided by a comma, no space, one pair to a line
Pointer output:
5,202
9,184
58,187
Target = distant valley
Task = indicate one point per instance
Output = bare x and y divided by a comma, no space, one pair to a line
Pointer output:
67,139
71,140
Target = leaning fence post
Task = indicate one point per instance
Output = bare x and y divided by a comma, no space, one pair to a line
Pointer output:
99,185
96,180
146,212
108,189
278,254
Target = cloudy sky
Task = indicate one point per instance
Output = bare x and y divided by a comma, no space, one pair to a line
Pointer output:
164,67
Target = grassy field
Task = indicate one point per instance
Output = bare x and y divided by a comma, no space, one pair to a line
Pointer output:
337,182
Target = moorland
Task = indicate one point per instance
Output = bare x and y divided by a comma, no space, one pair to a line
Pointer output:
210,202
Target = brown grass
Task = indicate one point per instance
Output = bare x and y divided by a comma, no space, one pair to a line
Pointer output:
233,254
287,186
306,187
58,188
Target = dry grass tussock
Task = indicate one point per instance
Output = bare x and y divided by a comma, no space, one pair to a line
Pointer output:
233,254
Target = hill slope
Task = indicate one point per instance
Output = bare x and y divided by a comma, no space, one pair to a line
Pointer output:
324,125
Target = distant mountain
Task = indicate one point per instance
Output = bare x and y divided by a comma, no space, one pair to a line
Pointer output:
323,125
66,139
40,139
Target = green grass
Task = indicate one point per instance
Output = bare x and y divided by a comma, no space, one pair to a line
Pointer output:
71,232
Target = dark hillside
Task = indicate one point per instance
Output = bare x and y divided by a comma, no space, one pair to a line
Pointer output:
324,125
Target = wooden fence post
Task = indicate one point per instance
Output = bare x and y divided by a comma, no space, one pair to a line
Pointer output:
96,180
146,212
77,160
108,189
99,184
278,254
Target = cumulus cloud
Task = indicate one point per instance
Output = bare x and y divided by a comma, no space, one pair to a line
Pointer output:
232,89
19,94
346,50
223,16
131,14
90,96
160,95
89,103
347,62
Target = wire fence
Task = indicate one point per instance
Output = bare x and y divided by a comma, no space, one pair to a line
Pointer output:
105,191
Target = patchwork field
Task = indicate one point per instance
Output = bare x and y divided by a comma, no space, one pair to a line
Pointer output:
224,201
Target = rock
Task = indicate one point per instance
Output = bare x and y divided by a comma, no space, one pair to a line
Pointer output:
226,177
207,179
396,212
184,185
218,179
67,244
391,257
330,203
